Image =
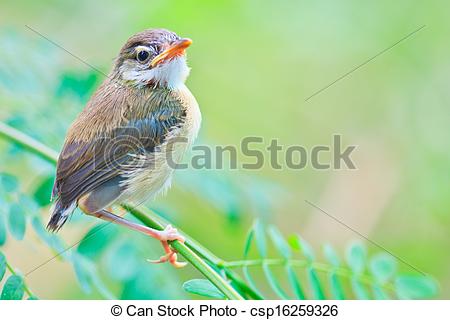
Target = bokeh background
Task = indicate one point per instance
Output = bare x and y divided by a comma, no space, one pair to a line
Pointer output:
254,63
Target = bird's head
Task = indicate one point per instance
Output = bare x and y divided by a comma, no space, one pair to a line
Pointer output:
154,57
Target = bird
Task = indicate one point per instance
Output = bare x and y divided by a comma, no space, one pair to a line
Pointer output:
124,145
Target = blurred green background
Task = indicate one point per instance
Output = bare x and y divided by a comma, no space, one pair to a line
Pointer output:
253,65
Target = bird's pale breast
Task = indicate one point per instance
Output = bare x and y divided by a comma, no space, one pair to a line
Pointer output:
148,181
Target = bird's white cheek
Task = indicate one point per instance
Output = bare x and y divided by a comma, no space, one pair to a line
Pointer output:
172,74
138,75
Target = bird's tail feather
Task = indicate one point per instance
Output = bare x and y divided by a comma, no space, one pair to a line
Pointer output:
59,215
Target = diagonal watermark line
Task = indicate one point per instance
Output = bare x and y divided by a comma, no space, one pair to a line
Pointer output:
310,203
66,249
67,51
366,238
107,223
365,62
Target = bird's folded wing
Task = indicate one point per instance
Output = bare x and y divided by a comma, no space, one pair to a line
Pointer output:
84,166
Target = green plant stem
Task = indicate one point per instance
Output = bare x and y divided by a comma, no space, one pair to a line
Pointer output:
191,250
244,287
186,250
25,287
143,215
28,142
191,243
321,267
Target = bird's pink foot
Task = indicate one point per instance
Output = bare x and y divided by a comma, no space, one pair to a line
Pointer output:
170,233
170,256
163,259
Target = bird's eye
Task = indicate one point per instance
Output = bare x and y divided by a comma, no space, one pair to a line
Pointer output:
142,55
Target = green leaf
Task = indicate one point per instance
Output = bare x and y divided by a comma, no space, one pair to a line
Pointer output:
331,255
43,191
279,242
260,238
78,85
379,293
2,230
2,265
356,257
307,250
383,266
123,254
16,221
273,282
8,182
13,288
251,282
335,284
294,242
248,242
298,244
82,272
3,202
415,287
295,284
97,239
87,275
50,239
336,287
203,288
101,287
316,286
28,204
359,289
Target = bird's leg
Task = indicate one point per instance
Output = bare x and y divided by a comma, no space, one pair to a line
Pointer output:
170,256
168,234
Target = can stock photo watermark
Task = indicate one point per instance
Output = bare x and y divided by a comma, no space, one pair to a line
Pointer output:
128,149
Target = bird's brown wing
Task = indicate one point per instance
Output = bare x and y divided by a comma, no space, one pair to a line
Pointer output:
84,166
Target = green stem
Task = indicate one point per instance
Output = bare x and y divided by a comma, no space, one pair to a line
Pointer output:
28,143
321,267
185,250
191,243
189,250
25,287
244,287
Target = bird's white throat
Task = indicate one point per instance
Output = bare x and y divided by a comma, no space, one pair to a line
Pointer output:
172,73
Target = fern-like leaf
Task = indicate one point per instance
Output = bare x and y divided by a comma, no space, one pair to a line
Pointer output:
357,276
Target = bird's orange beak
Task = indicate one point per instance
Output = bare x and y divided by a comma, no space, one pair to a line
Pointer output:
175,50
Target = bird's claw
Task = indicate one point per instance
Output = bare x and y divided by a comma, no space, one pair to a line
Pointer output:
173,261
163,259
170,256
170,233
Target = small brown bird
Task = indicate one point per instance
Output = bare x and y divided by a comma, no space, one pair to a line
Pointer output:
123,146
